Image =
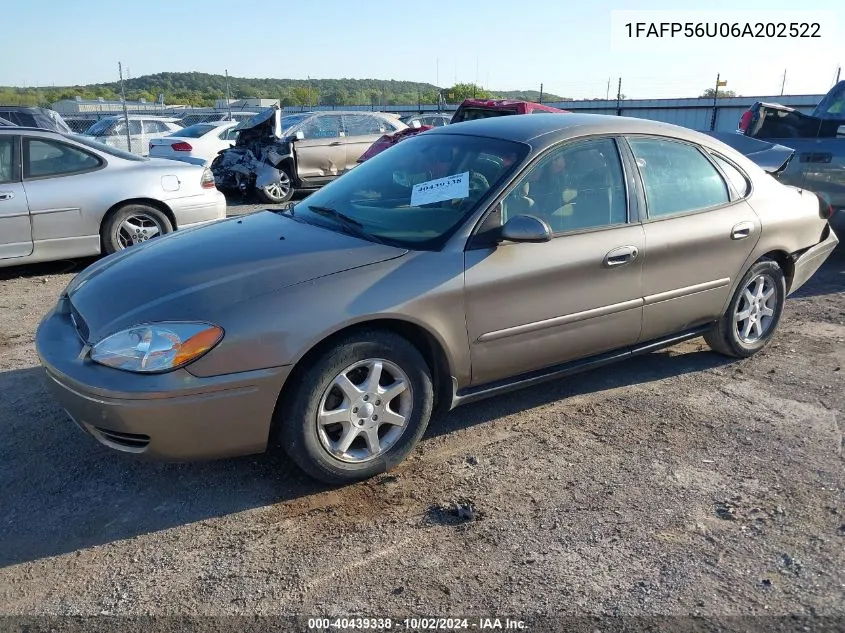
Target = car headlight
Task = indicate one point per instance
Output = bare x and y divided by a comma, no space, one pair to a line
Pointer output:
157,347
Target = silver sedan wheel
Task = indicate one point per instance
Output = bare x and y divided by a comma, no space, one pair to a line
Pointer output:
138,228
755,310
280,189
365,410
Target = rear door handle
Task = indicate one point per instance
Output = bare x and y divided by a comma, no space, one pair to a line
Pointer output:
6,195
741,231
621,256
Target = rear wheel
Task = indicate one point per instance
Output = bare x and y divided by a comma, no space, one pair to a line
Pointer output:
359,409
753,313
133,224
277,192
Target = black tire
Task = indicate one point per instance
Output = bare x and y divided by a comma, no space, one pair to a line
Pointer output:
277,192
725,338
297,427
116,236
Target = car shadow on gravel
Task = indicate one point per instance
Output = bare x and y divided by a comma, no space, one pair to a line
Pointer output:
46,269
62,491
638,370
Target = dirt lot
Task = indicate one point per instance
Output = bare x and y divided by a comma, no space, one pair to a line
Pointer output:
677,483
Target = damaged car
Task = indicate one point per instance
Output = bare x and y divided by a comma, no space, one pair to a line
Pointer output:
817,140
469,110
276,155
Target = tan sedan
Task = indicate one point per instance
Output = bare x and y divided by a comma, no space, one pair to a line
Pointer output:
462,263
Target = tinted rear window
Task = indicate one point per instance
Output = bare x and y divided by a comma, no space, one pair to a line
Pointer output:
471,114
195,131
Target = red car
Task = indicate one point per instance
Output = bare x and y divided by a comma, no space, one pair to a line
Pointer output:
469,110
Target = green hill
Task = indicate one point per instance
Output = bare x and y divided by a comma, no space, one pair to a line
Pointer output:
203,89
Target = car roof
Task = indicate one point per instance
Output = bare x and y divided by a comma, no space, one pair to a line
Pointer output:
547,128
29,128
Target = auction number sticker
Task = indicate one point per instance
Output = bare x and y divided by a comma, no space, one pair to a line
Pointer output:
448,188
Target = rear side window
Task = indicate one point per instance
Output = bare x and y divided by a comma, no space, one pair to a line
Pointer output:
44,157
737,180
677,177
7,155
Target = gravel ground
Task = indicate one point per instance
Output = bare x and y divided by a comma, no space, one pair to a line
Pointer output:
677,483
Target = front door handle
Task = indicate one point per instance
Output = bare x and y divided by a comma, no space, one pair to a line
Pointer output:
620,256
6,195
741,231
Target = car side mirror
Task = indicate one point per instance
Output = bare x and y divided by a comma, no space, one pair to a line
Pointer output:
299,135
416,124
525,228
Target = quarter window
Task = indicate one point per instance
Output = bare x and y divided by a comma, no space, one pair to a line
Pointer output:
677,177
736,178
578,186
43,157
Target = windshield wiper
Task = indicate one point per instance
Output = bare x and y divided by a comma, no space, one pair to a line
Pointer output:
352,225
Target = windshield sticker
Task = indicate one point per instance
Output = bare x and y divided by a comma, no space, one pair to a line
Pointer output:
448,188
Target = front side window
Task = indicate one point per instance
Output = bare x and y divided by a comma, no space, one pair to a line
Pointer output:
677,177
327,126
575,187
418,192
43,157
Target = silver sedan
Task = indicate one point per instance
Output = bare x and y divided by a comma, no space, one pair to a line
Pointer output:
64,196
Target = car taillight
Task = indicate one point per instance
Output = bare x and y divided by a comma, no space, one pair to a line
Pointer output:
207,180
745,120
825,209
181,146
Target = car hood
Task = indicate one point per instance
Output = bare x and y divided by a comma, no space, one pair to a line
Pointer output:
194,274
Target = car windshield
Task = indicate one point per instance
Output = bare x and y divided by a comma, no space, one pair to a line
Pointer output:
417,193
106,149
195,131
100,127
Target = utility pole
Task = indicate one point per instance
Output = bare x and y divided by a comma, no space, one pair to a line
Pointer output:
619,98
438,73
607,94
125,111
783,83
838,72
228,100
541,93
719,84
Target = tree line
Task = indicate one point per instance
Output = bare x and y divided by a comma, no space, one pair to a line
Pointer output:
203,89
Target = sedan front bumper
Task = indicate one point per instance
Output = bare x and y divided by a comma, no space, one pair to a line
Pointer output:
173,416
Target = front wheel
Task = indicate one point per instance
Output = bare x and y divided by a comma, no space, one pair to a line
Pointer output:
359,409
277,192
753,313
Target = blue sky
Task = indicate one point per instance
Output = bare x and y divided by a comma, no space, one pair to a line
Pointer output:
505,44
